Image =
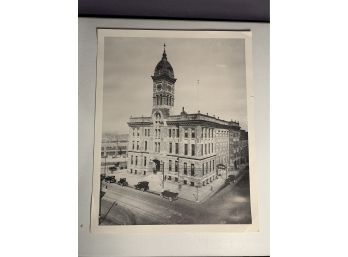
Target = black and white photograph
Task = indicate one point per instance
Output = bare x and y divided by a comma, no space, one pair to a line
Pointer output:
172,129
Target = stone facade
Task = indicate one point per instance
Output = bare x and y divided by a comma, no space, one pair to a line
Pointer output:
187,148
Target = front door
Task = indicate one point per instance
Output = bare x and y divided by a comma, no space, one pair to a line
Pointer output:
157,166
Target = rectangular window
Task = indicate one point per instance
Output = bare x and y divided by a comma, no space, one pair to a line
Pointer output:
137,145
186,149
132,159
209,165
155,146
192,169
159,133
177,133
193,133
205,133
145,145
185,182
208,148
170,133
133,145
135,172
185,168
186,133
137,131
136,160
205,148
159,147
203,169
169,178
212,147
131,170
176,166
177,148
144,161
176,179
193,150
192,184
170,147
170,165
173,133
213,164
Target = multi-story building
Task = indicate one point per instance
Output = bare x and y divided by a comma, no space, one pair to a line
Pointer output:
187,148
114,148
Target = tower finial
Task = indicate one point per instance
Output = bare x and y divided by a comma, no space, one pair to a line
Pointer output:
164,51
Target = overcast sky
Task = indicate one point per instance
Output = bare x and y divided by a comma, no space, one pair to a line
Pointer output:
218,64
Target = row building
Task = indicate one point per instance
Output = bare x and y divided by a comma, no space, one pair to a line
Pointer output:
188,148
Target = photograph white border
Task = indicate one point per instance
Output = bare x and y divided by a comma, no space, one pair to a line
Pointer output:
144,229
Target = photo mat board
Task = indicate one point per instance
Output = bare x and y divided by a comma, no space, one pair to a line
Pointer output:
174,132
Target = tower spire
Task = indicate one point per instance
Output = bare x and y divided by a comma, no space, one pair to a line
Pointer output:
164,56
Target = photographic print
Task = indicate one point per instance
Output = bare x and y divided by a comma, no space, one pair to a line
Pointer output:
172,129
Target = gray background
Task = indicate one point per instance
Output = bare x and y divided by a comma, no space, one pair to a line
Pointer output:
171,244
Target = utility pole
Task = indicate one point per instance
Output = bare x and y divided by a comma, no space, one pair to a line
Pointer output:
162,168
105,163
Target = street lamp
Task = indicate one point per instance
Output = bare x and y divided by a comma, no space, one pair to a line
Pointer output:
198,185
179,182
162,168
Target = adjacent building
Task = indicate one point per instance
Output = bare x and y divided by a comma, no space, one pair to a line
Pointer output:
186,148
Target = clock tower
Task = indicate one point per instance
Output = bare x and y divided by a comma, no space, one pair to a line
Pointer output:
163,87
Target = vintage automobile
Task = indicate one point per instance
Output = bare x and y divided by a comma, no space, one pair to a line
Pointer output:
230,180
142,185
112,168
122,182
169,195
110,179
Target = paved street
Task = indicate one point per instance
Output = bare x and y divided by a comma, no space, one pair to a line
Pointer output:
126,206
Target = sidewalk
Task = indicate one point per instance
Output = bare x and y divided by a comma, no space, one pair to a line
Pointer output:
186,192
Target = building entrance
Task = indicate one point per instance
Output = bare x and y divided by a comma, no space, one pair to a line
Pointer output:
156,166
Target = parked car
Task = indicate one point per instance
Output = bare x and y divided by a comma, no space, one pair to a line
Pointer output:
232,178
122,182
112,168
169,195
143,186
110,179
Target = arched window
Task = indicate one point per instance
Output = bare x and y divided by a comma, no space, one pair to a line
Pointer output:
160,99
157,99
